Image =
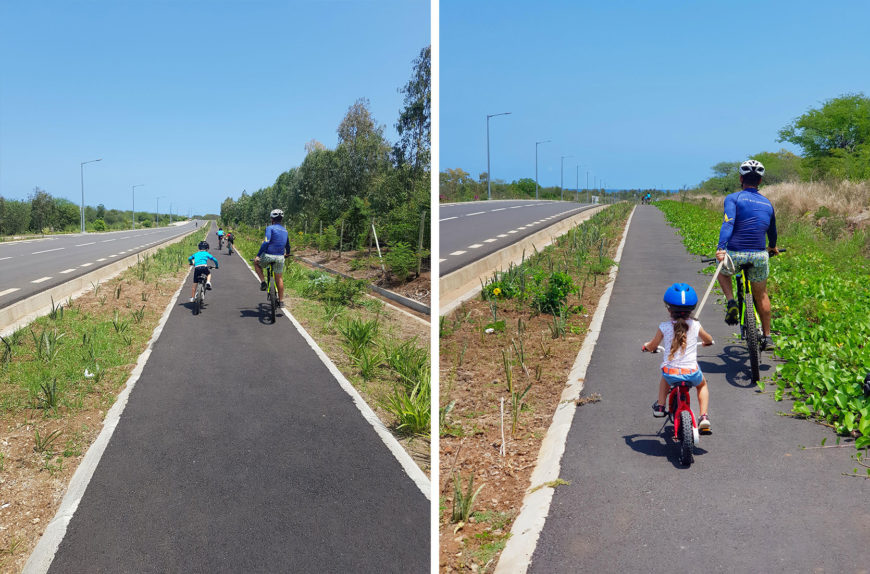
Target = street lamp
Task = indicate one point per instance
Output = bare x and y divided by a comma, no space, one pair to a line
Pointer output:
134,204
488,173
536,165
588,191
82,168
562,177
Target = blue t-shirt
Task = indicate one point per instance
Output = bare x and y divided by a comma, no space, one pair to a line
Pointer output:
748,217
220,232
201,258
277,241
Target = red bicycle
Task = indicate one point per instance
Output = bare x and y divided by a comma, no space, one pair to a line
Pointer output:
679,405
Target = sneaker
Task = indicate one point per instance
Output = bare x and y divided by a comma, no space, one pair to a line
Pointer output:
192,299
767,344
208,286
262,285
281,304
658,410
704,425
732,313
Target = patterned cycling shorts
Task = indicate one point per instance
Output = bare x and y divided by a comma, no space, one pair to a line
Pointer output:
759,259
695,378
277,260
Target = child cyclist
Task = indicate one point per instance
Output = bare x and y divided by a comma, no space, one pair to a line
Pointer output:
200,262
680,337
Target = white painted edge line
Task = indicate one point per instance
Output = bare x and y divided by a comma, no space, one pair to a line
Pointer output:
410,467
43,554
517,554
2,258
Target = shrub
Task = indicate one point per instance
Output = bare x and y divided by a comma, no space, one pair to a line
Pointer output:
401,260
555,294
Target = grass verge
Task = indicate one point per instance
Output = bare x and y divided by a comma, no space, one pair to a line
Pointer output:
505,357
59,376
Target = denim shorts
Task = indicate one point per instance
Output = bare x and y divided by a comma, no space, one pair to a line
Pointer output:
695,378
759,259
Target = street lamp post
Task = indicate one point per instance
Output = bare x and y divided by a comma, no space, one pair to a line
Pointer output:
488,172
588,191
577,186
133,223
536,165
562,178
82,168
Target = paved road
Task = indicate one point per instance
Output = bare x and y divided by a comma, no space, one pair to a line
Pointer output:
473,230
752,502
239,452
31,266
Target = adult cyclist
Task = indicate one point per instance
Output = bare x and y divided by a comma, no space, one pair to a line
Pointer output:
749,216
220,237
274,250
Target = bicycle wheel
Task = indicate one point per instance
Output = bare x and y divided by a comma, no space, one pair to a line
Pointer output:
752,341
273,302
197,300
687,439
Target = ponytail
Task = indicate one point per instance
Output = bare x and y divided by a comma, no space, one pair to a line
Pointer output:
681,328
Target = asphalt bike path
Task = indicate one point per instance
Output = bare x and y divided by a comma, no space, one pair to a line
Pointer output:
470,231
753,501
239,452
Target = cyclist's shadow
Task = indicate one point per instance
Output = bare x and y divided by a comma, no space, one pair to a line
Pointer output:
660,444
735,366
262,313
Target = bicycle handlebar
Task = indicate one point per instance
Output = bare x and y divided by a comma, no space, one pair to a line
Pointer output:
714,260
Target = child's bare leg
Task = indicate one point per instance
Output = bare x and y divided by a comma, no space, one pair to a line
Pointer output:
703,396
663,391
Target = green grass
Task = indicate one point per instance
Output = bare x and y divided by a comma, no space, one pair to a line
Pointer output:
820,298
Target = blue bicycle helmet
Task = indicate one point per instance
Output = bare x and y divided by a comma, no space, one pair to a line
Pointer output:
681,296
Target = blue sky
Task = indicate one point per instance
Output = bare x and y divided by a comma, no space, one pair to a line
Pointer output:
197,100
642,94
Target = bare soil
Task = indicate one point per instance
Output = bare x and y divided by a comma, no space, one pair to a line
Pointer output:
473,379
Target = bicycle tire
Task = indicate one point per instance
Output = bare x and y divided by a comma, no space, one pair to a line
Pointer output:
752,342
197,300
273,302
687,439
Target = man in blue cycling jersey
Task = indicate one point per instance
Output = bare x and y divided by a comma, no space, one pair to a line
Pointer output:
274,250
200,260
749,216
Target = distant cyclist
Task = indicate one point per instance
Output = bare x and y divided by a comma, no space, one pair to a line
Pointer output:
231,238
274,250
749,216
200,260
220,236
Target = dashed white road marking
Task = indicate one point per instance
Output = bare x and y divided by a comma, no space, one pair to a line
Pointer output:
516,207
441,260
457,253
85,265
65,271
2,258
101,259
499,209
128,237
113,255
83,244
41,280
488,240
107,240
47,250
8,291
501,235
475,246
448,218
512,231
475,213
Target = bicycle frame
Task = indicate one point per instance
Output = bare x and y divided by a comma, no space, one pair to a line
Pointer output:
679,401
742,289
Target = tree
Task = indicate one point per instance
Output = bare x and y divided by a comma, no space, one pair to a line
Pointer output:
314,145
101,211
414,125
842,123
725,168
41,210
357,123
779,166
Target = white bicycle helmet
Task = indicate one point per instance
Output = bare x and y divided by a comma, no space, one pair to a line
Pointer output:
750,166
280,213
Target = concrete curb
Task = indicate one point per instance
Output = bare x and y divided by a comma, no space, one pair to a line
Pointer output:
23,312
464,283
43,554
517,555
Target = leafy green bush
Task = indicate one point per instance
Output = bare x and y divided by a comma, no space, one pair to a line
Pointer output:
328,240
401,260
555,294
98,225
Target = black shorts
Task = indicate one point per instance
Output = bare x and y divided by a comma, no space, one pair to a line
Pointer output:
200,271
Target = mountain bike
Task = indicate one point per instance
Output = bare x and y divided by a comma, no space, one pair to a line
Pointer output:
220,242
229,246
271,289
686,433
199,298
748,318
